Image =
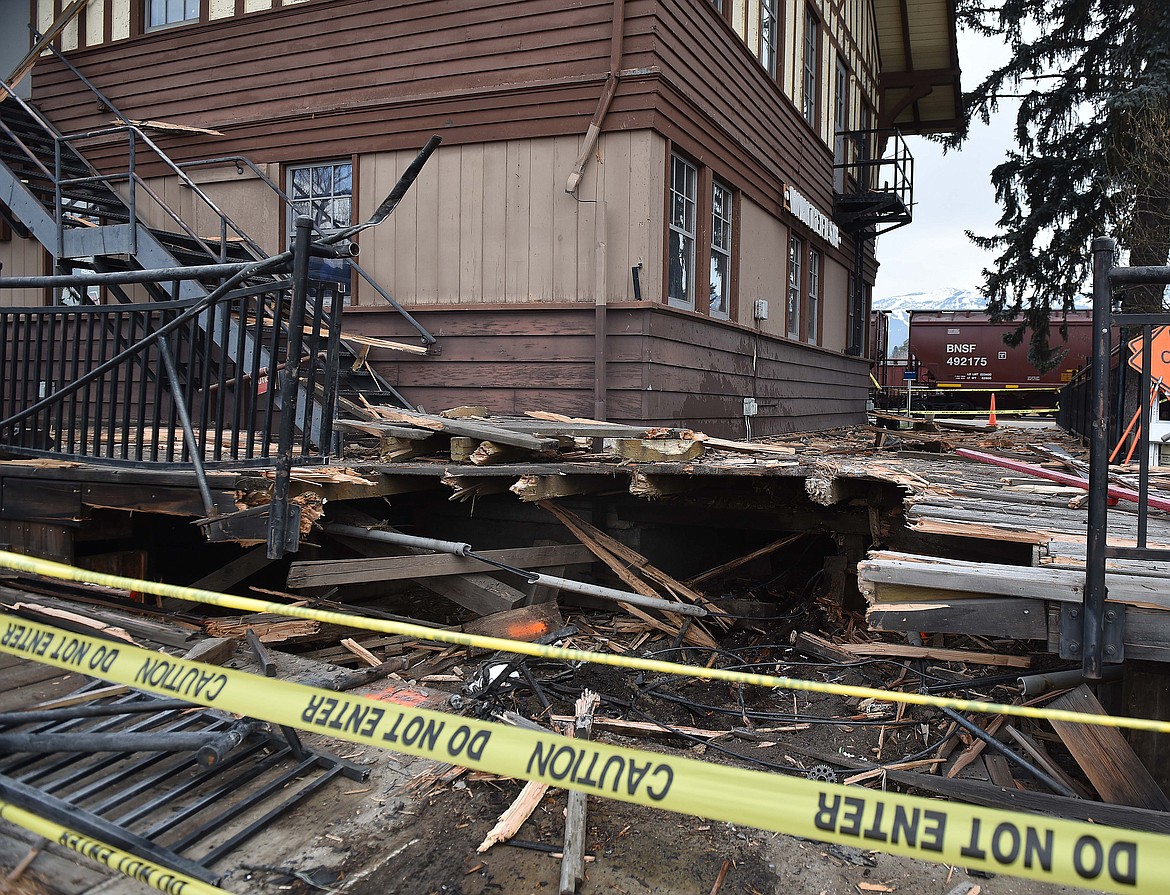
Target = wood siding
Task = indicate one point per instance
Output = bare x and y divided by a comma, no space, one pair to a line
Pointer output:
491,222
331,79
23,258
663,367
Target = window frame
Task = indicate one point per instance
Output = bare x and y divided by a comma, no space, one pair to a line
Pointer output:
338,271
770,41
810,67
795,286
332,195
722,227
690,286
149,26
841,97
816,261
708,243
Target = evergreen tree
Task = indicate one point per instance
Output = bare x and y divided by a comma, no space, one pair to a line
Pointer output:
1093,150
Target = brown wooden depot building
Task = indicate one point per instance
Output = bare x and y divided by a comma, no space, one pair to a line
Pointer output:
651,211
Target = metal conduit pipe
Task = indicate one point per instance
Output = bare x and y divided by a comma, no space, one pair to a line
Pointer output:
457,548
977,731
619,596
1035,684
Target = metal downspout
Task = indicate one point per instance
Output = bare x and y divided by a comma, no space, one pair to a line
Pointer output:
600,255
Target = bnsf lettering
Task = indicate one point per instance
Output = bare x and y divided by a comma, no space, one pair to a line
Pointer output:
960,347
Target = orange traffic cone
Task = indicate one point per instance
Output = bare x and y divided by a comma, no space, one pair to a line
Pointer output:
991,419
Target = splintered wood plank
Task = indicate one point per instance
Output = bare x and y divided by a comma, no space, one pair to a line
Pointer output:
530,488
906,651
1115,771
657,450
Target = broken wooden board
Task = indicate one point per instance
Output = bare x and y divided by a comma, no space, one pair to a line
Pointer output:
906,651
328,573
658,450
994,579
481,430
532,488
528,623
1106,758
1018,619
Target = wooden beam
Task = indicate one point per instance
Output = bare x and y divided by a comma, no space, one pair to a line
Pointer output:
573,860
234,572
327,573
658,450
531,488
481,594
1015,618
906,651
1106,758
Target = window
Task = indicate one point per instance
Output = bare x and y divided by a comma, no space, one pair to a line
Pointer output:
814,295
161,13
721,209
323,192
683,194
795,250
769,35
841,98
811,66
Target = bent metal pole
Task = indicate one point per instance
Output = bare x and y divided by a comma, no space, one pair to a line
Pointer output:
457,548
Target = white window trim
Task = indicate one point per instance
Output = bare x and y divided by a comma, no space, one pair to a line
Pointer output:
688,236
809,64
724,226
159,26
792,303
815,263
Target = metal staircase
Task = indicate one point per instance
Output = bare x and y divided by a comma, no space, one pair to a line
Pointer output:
89,220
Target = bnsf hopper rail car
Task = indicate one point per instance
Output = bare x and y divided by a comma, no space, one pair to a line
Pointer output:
960,360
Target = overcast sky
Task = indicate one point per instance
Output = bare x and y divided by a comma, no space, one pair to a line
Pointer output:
952,194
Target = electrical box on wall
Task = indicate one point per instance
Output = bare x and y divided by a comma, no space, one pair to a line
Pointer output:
750,407
760,311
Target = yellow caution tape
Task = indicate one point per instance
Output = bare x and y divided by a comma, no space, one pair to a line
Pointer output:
497,644
1038,847
162,878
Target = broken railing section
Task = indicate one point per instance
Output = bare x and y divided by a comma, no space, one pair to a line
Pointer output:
176,783
1096,623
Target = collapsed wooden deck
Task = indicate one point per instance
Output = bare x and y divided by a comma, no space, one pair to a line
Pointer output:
939,543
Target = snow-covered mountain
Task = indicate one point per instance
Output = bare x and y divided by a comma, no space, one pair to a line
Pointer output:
944,299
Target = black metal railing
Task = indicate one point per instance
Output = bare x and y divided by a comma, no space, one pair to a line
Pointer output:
181,383
873,181
1100,632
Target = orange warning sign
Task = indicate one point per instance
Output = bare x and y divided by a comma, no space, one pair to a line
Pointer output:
1159,354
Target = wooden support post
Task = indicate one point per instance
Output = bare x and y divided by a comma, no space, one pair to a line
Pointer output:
573,861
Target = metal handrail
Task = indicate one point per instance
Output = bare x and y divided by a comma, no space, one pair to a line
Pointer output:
242,161
862,157
135,134
111,383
